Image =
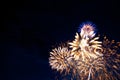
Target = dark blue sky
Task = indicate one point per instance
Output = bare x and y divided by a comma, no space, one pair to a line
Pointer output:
31,28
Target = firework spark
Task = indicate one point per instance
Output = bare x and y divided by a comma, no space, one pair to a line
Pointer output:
87,58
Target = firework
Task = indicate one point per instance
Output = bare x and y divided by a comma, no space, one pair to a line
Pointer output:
87,58
59,59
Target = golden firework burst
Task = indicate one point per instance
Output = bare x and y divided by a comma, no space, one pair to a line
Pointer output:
87,58
59,59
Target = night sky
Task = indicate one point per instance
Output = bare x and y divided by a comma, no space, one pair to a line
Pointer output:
33,27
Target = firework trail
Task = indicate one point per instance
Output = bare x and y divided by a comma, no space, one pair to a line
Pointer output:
87,58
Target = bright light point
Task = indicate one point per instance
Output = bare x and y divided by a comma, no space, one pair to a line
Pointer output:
88,23
87,30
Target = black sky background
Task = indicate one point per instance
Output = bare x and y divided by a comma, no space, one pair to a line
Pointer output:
33,28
